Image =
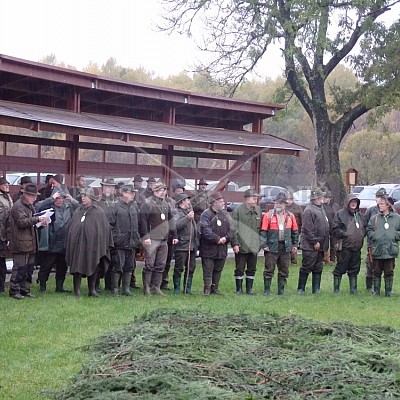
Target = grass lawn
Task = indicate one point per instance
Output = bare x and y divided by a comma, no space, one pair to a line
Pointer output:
42,340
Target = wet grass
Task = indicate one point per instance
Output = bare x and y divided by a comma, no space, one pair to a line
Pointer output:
42,339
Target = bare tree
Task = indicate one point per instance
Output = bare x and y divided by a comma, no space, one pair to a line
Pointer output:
315,36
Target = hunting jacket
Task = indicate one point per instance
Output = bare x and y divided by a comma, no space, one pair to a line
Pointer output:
23,232
384,238
186,229
315,228
270,231
247,228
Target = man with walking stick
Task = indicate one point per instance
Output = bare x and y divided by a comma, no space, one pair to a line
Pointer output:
185,250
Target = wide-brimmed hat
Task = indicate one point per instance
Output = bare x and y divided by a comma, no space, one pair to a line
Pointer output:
202,181
89,192
151,179
280,198
128,188
180,197
59,178
316,193
109,182
3,180
158,186
26,179
31,188
137,178
216,196
289,196
251,193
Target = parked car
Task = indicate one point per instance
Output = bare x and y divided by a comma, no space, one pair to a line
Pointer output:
367,195
232,186
15,177
357,189
268,194
302,197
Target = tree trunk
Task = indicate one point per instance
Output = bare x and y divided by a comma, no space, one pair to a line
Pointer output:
327,163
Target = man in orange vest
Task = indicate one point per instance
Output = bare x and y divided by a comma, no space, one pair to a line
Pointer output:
279,237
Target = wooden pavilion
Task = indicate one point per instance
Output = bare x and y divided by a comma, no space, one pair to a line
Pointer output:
92,120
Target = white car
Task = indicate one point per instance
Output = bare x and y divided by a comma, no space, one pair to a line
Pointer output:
367,195
302,197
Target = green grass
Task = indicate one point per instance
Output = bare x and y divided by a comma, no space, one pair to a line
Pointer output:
42,340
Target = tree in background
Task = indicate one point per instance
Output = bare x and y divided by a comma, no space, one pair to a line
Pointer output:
315,37
375,155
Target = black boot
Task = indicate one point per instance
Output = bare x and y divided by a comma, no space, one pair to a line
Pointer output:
115,276
377,286
60,286
337,279
353,285
125,283
267,286
281,285
368,284
388,286
249,285
239,285
316,283
177,284
301,286
92,286
42,286
77,278
187,287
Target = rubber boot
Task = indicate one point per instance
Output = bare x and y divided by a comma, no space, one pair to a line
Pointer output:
92,286
215,283
77,278
316,283
146,277
157,279
60,286
301,285
187,287
368,284
388,286
353,285
42,286
177,284
377,286
267,286
215,290
115,276
249,286
239,285
125,283
281,285
337,279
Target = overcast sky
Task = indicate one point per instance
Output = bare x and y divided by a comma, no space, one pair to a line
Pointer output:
80,31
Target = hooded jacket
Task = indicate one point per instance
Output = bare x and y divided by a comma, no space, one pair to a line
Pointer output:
349,226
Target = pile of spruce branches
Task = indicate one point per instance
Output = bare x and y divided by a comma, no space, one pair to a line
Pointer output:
194,354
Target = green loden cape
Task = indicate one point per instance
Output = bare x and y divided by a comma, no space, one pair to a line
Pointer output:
89,241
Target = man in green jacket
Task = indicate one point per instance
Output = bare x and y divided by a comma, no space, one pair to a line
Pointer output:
383,231
246,241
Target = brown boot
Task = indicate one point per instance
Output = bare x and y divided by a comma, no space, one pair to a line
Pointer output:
207,290
157,283
146,277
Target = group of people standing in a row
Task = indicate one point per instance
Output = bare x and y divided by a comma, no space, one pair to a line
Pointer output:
99,236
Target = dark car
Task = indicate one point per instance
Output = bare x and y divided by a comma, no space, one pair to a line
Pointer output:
268,194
